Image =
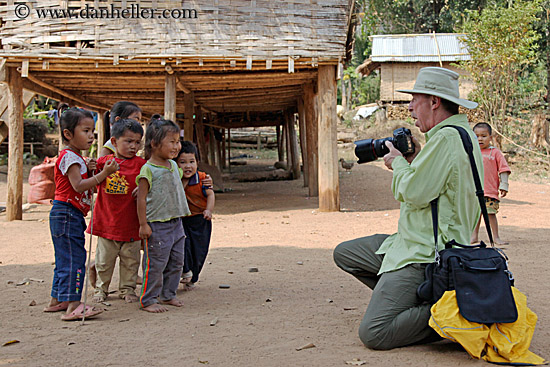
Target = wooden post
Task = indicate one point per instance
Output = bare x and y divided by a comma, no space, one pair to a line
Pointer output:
287,142
170,97
200,137
293,140
14,203
229,149
329,191
100,127
189,105
310,107
280,154
219,153
224,158
212,142
303,143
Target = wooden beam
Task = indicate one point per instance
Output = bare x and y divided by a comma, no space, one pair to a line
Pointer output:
295,160
303,143
310,106
189,111
182,87
3,71
76,98
31,86
170,97
280,153
14,203
329,191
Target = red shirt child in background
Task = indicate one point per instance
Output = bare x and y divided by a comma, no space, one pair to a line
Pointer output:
496,172
115,216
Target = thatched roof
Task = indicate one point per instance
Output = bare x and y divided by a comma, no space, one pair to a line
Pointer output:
236,56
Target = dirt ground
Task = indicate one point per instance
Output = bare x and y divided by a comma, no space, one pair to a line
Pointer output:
297,297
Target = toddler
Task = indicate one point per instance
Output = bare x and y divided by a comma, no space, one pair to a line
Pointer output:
160,205
496,172
198,226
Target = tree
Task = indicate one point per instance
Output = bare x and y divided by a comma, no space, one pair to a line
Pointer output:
502,42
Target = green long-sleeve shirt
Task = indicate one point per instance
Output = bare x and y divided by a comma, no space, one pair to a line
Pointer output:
441,169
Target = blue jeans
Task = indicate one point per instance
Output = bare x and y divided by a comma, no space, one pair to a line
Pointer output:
67,226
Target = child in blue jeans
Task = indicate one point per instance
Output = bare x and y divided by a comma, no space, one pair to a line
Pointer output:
160,205
72,202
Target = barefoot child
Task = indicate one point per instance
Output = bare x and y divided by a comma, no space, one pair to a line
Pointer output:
72,202
198,226
496,172
115,217
160,205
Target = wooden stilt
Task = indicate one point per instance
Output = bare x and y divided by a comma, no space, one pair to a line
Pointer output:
100,127
310,107
200,137
329,192
229,149
280,155
303,143
14,202
293,142
224,156
287,143
188,103
170,97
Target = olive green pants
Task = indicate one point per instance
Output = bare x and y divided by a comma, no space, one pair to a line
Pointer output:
395,316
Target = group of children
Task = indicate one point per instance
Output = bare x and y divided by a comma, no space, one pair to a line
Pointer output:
163,201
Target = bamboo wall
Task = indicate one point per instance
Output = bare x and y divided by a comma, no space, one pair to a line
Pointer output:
402,75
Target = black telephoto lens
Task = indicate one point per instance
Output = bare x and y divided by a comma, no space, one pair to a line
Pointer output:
364,150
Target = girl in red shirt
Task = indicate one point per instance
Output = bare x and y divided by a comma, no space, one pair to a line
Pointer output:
73,191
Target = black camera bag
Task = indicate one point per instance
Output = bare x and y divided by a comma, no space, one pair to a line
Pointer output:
479,274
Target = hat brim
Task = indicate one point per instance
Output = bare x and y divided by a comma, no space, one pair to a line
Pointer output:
459,101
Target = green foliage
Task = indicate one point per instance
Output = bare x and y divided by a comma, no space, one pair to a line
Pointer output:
416,16
501,42
36,109
363,89
3,159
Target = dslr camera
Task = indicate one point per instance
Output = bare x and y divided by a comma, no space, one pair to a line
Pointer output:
369,150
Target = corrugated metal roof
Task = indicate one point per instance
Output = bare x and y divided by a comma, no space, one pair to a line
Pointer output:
419,47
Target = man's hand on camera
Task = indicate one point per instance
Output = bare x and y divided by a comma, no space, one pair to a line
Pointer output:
388,158
417,148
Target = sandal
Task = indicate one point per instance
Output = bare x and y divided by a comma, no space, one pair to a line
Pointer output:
77,314
62,306
186,277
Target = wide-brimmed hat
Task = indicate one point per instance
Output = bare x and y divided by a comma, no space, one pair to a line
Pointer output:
439,82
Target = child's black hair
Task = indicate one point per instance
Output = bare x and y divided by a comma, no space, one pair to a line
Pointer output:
155,117
122,109
188,147
121,126
156,131
484,125
70,119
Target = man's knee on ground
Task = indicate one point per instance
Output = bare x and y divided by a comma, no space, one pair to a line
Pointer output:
339,254
375,338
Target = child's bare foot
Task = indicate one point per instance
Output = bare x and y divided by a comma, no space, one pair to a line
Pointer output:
474,239
99,298
155,308
131,298
55,306
173,302
500,242
92,275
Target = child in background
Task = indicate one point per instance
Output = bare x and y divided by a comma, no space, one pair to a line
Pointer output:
73,191
198,226
496,172
115,217
160,205
120,110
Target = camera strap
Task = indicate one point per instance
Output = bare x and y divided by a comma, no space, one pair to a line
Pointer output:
468,147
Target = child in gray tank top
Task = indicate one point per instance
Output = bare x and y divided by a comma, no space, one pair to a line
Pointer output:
161,203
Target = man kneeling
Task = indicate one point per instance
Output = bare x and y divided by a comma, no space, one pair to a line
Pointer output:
393,266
